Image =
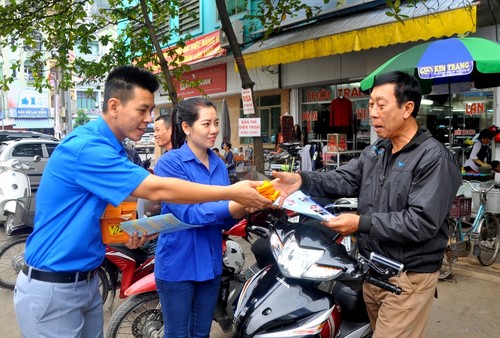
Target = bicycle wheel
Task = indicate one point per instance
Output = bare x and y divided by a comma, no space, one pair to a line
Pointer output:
138,316
489,240
449,260
11,260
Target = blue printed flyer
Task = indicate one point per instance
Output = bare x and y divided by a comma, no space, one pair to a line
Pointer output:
155,224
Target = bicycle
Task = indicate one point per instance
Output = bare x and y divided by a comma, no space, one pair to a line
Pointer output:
482,235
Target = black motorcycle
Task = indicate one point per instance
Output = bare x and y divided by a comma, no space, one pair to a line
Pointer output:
313,289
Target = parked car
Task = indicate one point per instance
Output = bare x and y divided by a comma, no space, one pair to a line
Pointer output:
24,149
146,142
17,134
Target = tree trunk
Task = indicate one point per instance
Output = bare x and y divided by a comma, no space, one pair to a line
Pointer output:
246,81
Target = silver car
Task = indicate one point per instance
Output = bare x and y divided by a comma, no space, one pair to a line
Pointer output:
24,150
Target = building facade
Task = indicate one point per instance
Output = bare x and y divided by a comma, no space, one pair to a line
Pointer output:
309,66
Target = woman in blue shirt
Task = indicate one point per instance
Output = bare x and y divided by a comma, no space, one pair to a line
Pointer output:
188,263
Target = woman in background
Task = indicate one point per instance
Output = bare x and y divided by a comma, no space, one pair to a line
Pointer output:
188,263
480,154
229,157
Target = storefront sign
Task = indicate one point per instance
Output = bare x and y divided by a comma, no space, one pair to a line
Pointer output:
349,93
474,108
362,114
246,98
319,94
28,102
210,80
249,127
323,94
202,48
445,70
310,115
464,132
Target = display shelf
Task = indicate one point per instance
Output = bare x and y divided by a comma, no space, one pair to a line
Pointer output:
336,158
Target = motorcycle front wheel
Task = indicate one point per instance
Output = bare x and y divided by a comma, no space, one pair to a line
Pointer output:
11,260
489,240
138,316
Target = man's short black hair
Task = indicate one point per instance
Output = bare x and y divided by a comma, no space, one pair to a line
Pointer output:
122,80
406,88
166,118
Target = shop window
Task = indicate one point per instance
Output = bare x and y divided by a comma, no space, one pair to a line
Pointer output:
456,127
335,109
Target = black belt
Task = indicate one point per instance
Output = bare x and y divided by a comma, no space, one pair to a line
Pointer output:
58,277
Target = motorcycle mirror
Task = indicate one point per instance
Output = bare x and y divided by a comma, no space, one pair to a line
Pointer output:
36,158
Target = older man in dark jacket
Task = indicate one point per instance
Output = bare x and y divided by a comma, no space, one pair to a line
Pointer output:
406,182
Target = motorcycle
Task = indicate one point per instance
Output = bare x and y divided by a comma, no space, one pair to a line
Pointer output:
123,267
314,289
15,187
140,314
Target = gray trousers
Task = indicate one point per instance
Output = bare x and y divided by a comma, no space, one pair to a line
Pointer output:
58,310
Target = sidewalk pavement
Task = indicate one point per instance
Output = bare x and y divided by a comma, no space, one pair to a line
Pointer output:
468,304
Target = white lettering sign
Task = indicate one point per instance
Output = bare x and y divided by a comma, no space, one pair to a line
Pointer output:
249,127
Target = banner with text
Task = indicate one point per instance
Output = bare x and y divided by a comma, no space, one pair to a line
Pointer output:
246,98
249,127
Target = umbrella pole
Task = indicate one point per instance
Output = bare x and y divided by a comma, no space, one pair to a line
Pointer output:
450,127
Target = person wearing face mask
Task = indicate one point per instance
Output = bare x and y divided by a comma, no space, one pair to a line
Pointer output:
188,263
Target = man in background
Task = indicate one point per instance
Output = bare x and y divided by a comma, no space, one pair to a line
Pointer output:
163,131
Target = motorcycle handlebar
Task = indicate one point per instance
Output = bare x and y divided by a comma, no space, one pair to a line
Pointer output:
384,285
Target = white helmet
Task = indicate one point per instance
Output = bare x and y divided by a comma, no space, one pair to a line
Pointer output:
233,258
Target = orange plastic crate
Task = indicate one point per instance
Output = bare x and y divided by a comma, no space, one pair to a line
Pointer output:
111,219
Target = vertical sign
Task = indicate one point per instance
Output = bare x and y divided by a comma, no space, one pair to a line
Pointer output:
246,98
249,127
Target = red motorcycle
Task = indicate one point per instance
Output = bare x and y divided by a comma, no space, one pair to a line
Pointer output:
124,267
140,314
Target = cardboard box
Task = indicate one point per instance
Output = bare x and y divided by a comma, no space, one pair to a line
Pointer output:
336,142
111,219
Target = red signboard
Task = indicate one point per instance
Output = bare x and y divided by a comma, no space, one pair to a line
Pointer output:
211,80
200,49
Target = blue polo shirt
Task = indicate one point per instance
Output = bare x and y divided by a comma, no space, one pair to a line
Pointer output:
193,254
86,171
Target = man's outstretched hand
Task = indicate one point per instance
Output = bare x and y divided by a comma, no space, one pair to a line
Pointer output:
286,183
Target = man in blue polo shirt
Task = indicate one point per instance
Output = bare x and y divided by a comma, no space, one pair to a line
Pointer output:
56,295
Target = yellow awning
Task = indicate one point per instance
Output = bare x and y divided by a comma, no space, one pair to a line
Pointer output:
286,49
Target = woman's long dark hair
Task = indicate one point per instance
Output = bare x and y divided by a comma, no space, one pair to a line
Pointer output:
186,111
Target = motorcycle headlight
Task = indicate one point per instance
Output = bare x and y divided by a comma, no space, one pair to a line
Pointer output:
296,262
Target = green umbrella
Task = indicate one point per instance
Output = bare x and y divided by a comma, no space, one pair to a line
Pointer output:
471,60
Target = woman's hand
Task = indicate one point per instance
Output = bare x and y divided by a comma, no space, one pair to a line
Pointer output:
246,194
